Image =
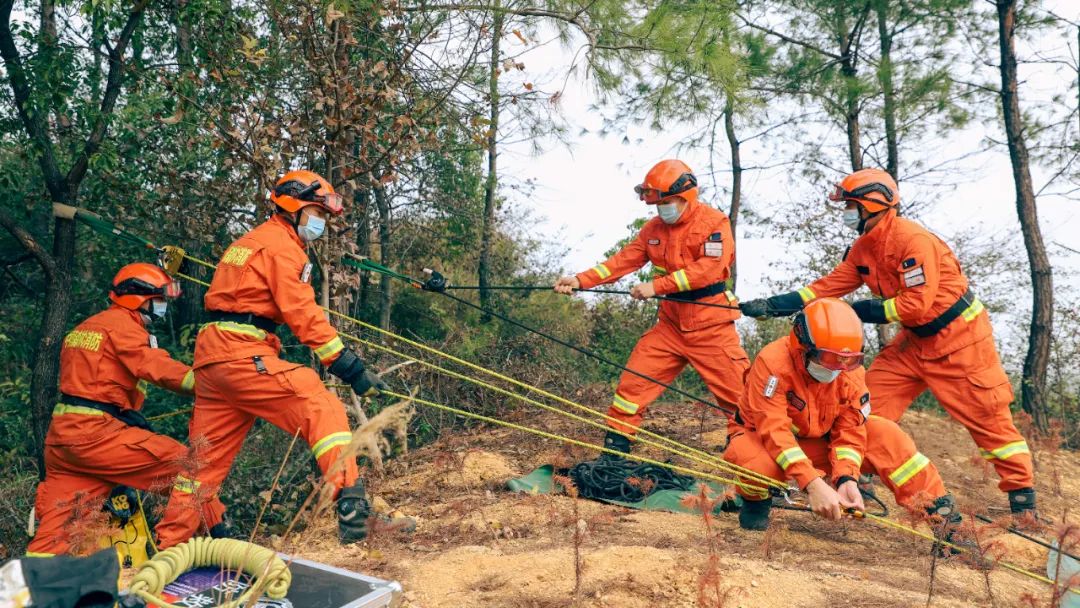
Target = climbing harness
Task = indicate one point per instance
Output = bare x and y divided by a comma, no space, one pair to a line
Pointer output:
367,264
271,576
166,565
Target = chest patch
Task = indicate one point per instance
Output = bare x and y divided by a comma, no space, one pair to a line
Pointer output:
914,277
153,341
908,263
654,241
714,249
795,401
236,256
86,340
865,409
770,386
863,269
305,274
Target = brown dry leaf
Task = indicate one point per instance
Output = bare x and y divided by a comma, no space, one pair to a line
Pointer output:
332,14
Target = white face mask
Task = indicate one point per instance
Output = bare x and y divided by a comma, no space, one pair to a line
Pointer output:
669,212
312,230
821,373
852,219
158,308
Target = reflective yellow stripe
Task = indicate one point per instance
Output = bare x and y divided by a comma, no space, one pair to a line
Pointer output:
602,271
681,281
890,311
624,405
237,328
658,270
60,409
731,297
142,386
188,383
185,485
972,311
909,469
794,430
789,456
1006,451
806,294
850,454
330,442
329,349
36,554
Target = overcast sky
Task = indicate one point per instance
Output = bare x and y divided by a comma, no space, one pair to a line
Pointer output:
584,193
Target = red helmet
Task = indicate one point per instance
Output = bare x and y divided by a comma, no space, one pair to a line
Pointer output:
831,333
667,178
874,189
136,283
298,189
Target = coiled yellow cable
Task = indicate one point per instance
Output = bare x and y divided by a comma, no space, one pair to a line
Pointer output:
272,576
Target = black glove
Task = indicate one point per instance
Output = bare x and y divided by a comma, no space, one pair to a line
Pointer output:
777,306
870,311
351,369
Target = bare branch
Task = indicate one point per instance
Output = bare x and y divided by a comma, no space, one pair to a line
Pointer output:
48,264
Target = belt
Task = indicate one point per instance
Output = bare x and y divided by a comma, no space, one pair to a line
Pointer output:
697,294
246,318
127,416
965,302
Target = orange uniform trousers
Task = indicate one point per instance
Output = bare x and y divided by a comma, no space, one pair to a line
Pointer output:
972,387
663,352
229,397
890,453
87,453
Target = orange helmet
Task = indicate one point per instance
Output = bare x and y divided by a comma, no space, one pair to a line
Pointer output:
874,189
136,283
831,333
298,189
667,178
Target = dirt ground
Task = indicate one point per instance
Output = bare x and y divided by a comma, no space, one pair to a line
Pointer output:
479,545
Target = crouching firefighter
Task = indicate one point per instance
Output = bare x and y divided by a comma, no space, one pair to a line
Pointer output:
946,343
97,438
261,282
805,416
691,249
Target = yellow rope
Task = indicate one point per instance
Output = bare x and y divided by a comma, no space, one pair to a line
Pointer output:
673,446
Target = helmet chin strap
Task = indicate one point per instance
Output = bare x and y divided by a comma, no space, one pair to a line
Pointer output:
863,220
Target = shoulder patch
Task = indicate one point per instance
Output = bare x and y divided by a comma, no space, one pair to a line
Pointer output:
236,256
846,252
305,274
714,249
770,386
865,409
654,241
914,277
908,263
153,341
716,237
84,339
795,401
863,269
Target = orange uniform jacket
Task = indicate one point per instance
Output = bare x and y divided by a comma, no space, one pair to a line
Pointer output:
781,402
105,357
916,274
265,273
693,253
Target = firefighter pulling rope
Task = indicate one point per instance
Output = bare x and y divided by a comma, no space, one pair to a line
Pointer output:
854,512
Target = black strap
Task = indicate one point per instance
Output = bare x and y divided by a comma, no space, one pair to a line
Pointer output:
697,294
127,416
245,318
938,324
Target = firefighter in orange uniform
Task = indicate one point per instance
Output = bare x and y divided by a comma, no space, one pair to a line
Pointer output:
261,282
98,438
691,248
805,415
945,344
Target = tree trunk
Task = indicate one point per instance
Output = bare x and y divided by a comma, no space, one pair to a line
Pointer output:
736,175
488,229
885,79
362,200
385,285
1042,304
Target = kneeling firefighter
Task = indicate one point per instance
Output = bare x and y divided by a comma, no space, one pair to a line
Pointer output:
805,415
691,248
97,437
261,282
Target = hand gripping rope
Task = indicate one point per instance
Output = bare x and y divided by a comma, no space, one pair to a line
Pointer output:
776,487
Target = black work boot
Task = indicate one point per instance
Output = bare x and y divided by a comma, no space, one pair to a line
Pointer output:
353,511
615,441
754,514
223,529
1022,501
946,521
